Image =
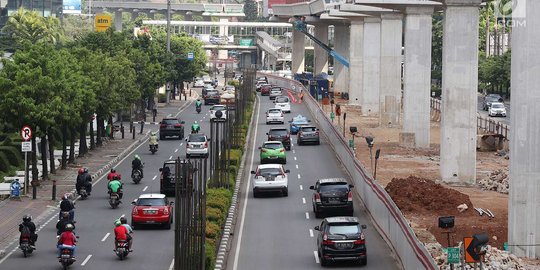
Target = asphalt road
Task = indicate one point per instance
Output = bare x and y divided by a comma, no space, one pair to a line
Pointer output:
276,232
153,247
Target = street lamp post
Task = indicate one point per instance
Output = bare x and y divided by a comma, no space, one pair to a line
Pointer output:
369,141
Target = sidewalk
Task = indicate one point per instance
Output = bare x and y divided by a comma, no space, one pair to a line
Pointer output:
98,162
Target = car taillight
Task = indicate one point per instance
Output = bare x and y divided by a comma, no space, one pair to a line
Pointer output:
349,196
134,212
166,211
359,242
270,138
282,150
206,145
327,242
281,114
316,133
317,197
177,125
263,150
162,125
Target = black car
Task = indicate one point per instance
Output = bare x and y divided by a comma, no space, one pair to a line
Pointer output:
341,239
308,134
332,195
281,135
171,127
167,178
211,97
491,98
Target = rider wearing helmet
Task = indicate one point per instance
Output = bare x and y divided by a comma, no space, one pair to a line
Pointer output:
112,174
121,233
198,103
153,139
63,222
195,128
84,179
28,229
123,220
67,206
67,240
115,186
136,164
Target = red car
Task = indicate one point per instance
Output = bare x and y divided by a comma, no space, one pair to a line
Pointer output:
152,209
265,90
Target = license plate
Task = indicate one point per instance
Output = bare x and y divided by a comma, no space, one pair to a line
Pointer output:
272,157
150,221
344,245
151,212
333,200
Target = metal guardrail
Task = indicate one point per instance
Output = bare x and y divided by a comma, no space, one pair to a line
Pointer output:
482,123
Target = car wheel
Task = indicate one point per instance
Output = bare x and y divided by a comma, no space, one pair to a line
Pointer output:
134,225
317,214
255,194
286,192
284,161
324,262
167,225
288,148
161,137
318,142
298,142
267,122
188,156
363,262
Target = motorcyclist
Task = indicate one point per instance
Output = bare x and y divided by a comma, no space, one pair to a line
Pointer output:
67,240
195,127
112,174
67,206
121,233
129,229
136,164
27,227
63,222
115,186
84,179
153,139
198,103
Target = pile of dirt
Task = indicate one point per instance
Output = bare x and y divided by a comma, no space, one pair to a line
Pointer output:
419,195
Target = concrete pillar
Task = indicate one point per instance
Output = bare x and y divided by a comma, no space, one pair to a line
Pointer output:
134,15
151,15
390,71
341,45
321,56
356,61
417,77
118,21
188,17
298,52
524,197
459,91
372,63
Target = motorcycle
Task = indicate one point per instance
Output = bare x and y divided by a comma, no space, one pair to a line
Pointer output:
136,177
114,200
153,148
66,258
198,109
195,130
121,249
25,245
83,193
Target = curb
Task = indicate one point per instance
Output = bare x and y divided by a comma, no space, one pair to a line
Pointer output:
221,258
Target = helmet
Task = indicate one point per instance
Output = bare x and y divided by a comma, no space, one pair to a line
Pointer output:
116,177
195,122
123,220
137,157
154,133
69,227
27,218
113,170
85,170
117,223
66,196
81,170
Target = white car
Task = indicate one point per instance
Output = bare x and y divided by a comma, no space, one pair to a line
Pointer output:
275,92
497,109
196,145
229,88
275,115
198,83
283,103
216,108
270,178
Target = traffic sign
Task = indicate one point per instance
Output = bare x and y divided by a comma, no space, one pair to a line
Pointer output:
102,22
15,188
453,255
26,146
190,56
26,133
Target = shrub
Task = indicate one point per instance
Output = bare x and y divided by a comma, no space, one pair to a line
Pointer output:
234,83
219,198
213,231
215,215
4,162
236,156
13,155
210,250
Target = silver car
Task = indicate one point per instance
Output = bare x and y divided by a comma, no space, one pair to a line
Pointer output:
308,134
275,92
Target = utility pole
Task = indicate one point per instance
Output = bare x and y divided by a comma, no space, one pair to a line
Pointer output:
168,25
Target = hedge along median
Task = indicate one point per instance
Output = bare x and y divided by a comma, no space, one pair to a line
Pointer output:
218,200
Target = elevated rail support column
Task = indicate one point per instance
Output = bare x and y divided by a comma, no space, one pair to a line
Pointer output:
321,56
341,45
524,197
356,61
390,81
298,51
460,91
372,64
417,77
118,20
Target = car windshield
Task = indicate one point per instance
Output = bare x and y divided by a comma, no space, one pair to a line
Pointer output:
269,171
279,132
309,129
333,187
169,121
168,170
273,146
274,111
151,202
211,92
497,105
196,138
216,108
282,99
491,99
343,229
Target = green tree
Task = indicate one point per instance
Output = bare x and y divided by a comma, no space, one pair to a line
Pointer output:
250,9
28,26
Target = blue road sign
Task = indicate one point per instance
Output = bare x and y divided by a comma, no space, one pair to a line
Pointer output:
15,188
190,56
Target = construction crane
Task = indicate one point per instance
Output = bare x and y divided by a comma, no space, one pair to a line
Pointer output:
300,25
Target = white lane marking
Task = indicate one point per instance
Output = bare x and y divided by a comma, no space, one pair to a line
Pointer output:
299,176
105,237
86,260
310,232
170,157
176,150
294,152
301,187
171,267
181,144
145,188
316,256
297,166
307,215
304,200
294,158
243,218
154,178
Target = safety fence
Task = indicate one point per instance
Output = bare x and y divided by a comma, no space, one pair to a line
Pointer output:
386,216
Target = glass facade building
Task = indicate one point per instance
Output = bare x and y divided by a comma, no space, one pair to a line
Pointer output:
43,7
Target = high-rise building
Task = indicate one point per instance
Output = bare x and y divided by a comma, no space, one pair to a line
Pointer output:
43,7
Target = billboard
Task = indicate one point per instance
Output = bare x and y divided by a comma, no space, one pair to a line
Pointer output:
71,6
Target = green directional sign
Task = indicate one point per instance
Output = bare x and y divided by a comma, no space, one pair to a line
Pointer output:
453,255
246,42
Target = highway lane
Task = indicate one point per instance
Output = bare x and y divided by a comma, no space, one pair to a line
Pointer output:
153,247
277,232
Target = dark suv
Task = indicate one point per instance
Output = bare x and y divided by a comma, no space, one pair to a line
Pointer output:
332,195
211,97
171,127
167,177
281,135
341,239
308,134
